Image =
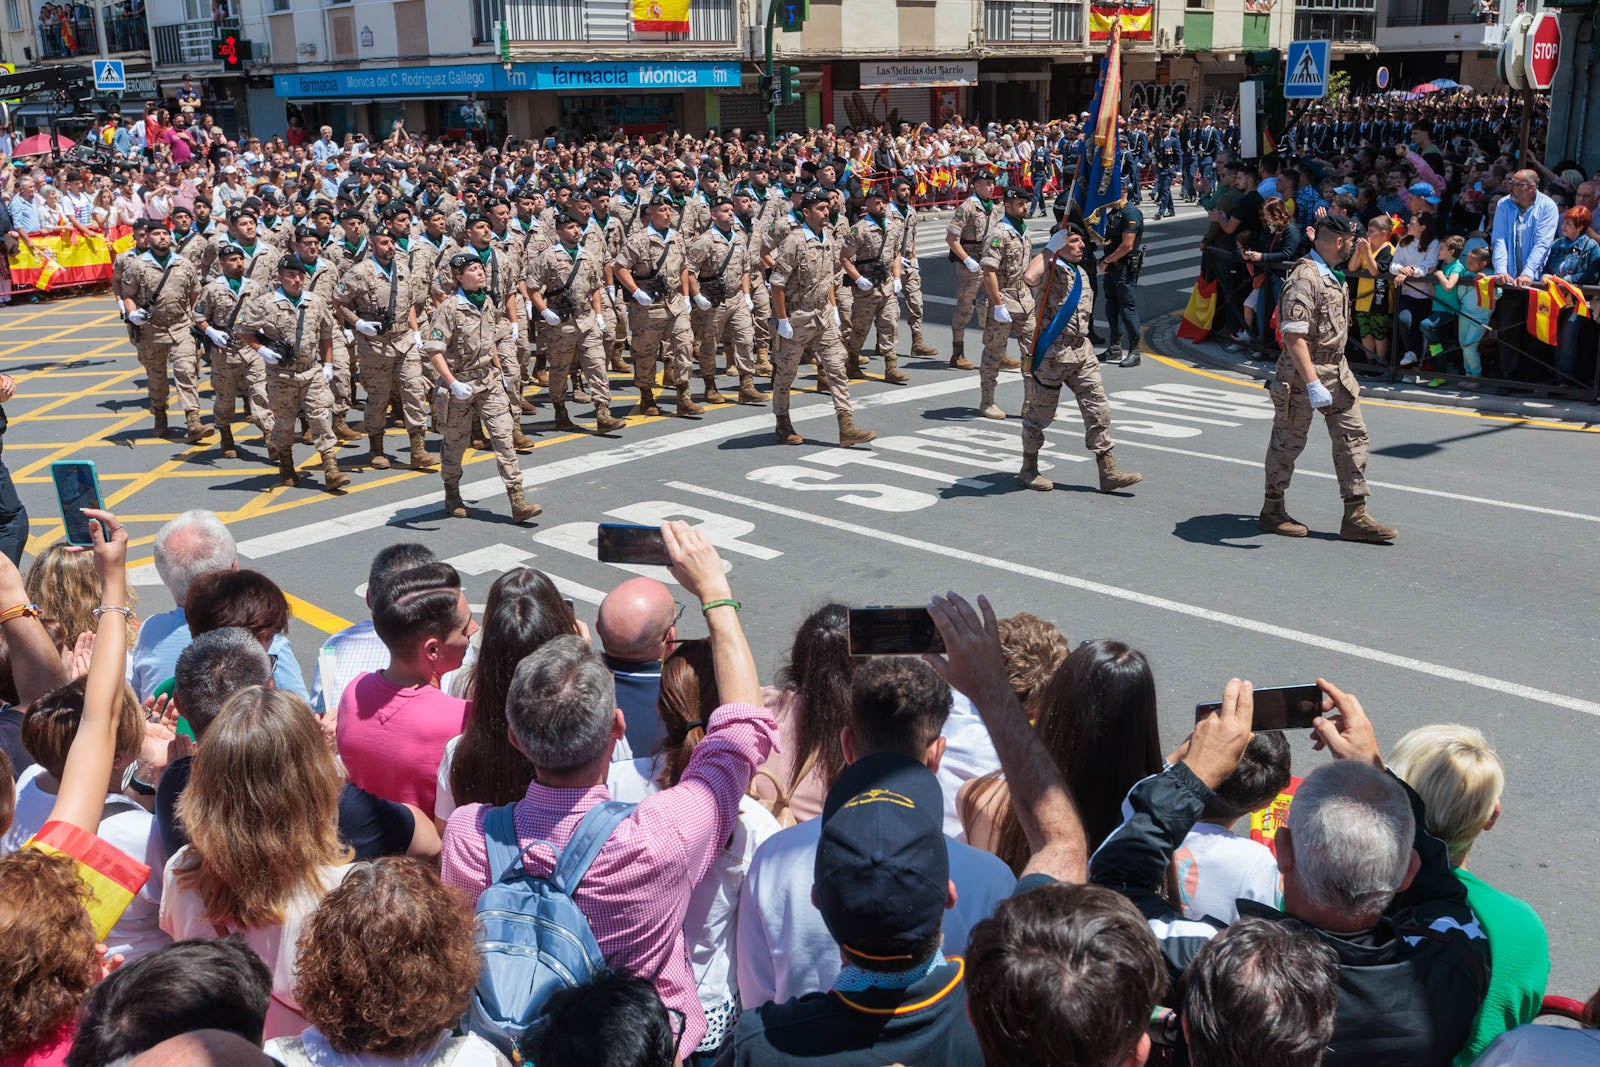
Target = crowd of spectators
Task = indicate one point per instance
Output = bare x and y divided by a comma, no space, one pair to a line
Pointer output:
506,837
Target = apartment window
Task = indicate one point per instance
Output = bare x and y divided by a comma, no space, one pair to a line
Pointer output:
1197,5
13,17
342,35
280,5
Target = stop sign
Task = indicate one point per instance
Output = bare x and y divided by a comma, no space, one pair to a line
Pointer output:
1543,52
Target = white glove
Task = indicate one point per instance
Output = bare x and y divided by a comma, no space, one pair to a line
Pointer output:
1001,314
643,298
516,332
551,317
1320,397
898,288
785,330
269,357
510,384
138,316
327,372
701,302
349,338
971,264
218,338
749,302
837,321
460,390
366,329
611,291
416,338
863,283
1058,240
605,323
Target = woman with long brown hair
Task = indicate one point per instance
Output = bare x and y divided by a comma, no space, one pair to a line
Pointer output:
261,809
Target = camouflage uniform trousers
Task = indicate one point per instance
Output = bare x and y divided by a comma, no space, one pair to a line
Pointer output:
161,346
997,334
911,287
1291,421
293,393
343,374
392,365
511,363
1041,391
237,369
617,315
875,307
969,293
584,342
729,324
815,335
659,330
761,317
488,402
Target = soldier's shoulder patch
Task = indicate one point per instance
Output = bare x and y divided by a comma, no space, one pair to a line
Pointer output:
994,242
438,334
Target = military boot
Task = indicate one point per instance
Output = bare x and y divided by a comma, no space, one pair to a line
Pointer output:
712,395
286,472
160,429
1359,526
198,431
748,393
525,406
686,404
852,366
604,421
618,362
763,362
519,440
784,433
343,432
521,508
822,379
647,402
229,449
454,506
378,461
477,438
421,458
540,375
1010,363
332,477
986,405
958,361
920,346
1275,518
1029,475
1112,479
850,433
892,372
563,421
579,394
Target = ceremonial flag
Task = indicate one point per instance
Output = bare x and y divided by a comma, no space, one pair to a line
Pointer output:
111,876
661,16
1097,184
1136,22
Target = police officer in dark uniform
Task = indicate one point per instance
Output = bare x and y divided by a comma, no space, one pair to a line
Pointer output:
1120,267
1169,155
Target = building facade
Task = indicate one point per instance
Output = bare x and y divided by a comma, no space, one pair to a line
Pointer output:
49,33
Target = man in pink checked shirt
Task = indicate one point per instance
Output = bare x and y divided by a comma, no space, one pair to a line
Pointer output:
564,717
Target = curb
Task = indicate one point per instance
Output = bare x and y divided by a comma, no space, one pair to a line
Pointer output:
1161,337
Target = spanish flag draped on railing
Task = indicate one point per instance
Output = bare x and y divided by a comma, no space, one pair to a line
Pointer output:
661,16
1546,304
1136,21
63,258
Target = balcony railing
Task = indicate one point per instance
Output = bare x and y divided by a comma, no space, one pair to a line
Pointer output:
125,32
1353,28
1025,21
189,44
595,22
1453,18
63,37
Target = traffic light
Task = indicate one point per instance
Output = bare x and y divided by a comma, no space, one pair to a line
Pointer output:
1265,68
232,50
792,15
789,85
764,91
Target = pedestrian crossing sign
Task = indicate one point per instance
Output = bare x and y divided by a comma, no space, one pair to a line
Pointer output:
1305,75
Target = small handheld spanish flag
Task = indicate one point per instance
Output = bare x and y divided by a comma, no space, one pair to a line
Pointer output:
112,876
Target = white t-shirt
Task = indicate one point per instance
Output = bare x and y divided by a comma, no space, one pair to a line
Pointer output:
183,917
783,950
1216,868
127,827
968,754
468,1051
1540,1046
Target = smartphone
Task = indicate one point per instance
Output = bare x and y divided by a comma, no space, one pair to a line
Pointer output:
893,631
619,543
1282,707
77,487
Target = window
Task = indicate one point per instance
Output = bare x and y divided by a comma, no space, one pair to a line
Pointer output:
342,35
13,17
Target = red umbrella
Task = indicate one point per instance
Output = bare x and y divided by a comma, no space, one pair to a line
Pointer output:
39,145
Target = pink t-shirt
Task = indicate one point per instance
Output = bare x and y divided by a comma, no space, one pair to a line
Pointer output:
392,739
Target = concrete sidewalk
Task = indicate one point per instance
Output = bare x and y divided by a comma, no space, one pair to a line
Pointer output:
1161,338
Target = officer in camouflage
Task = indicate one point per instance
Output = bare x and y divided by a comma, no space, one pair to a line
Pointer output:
1010,303
159,290
967,236
872,265
565,292
719,280
234,364
651,269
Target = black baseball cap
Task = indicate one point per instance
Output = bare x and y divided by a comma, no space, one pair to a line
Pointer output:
882,873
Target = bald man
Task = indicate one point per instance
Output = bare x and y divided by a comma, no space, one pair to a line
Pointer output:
203,1048
638,625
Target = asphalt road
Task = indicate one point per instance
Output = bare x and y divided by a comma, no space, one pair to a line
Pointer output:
1478,614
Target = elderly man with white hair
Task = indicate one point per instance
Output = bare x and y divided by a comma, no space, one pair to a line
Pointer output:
1359,870
188,546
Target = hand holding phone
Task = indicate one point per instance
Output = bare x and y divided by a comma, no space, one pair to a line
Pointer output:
77,488
893,631
1282,707
1348,735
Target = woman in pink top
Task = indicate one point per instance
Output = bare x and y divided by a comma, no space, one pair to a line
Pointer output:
394,723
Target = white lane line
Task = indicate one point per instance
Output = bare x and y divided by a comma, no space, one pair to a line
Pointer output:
428,504
1417,489
1178,607
1181,274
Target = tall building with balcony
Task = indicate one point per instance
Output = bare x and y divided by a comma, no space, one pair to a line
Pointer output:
1422,40
39,32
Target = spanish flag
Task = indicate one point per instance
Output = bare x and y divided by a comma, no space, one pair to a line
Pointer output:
61,261
661,16
1545,307
1201,311
111,876
1137,21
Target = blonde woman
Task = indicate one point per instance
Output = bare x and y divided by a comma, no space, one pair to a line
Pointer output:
1460,779
261,810
63,583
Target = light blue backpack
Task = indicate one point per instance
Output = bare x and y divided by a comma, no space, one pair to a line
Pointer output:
531,936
